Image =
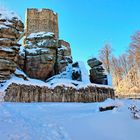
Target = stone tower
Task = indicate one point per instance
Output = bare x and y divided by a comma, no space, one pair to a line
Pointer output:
44,20
44,54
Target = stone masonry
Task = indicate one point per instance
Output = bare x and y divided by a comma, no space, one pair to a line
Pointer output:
44,20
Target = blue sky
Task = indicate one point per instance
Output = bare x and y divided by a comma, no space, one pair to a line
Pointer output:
88,24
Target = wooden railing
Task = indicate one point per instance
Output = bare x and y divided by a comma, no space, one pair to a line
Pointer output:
129,96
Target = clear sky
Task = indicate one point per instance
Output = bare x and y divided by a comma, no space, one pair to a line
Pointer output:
88,24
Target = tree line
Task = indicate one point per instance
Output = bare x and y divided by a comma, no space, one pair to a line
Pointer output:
125,69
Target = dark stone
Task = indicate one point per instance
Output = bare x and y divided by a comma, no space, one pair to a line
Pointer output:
106,108
97,74
76,75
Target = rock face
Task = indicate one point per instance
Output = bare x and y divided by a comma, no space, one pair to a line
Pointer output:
63,55
38,57
28,93
47,58
10,29
97,74
43,56
76,72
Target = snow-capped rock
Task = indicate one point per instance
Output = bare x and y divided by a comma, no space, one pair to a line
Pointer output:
10,29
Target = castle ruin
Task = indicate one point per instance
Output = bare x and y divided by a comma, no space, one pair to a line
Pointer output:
44,20
44,57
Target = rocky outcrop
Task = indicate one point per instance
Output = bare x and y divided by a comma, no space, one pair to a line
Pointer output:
76,72
30,93
97,74
10,29
43,56
63,55
38,57
47,58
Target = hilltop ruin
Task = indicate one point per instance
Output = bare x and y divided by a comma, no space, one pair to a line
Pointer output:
43,20
46,57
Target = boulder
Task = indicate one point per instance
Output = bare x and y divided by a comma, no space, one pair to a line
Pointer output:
93,62
97,74
11,28
76,72
38,57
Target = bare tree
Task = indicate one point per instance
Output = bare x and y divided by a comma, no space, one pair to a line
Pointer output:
125,69
116,71
124,63
105,56
134,50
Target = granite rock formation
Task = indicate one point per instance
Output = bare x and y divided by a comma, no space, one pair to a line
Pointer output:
76,72
43,56
38,57
97,74
10,29
63,55
30,93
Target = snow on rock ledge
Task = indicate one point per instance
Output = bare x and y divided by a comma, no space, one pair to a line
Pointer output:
40,35
8,15
60,89
37,58
11,28
30,93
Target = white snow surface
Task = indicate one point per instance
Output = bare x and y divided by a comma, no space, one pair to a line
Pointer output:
67,121
62,48
22,51
65,79
40,34
3,26
33,50
21,81
6,49
7,14
62,79
84,72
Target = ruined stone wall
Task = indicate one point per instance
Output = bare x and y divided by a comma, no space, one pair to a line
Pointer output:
64,43
30,93
44,20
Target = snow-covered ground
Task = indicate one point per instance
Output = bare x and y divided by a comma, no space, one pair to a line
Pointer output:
68,121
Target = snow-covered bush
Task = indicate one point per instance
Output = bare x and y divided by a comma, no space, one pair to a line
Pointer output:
135,111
